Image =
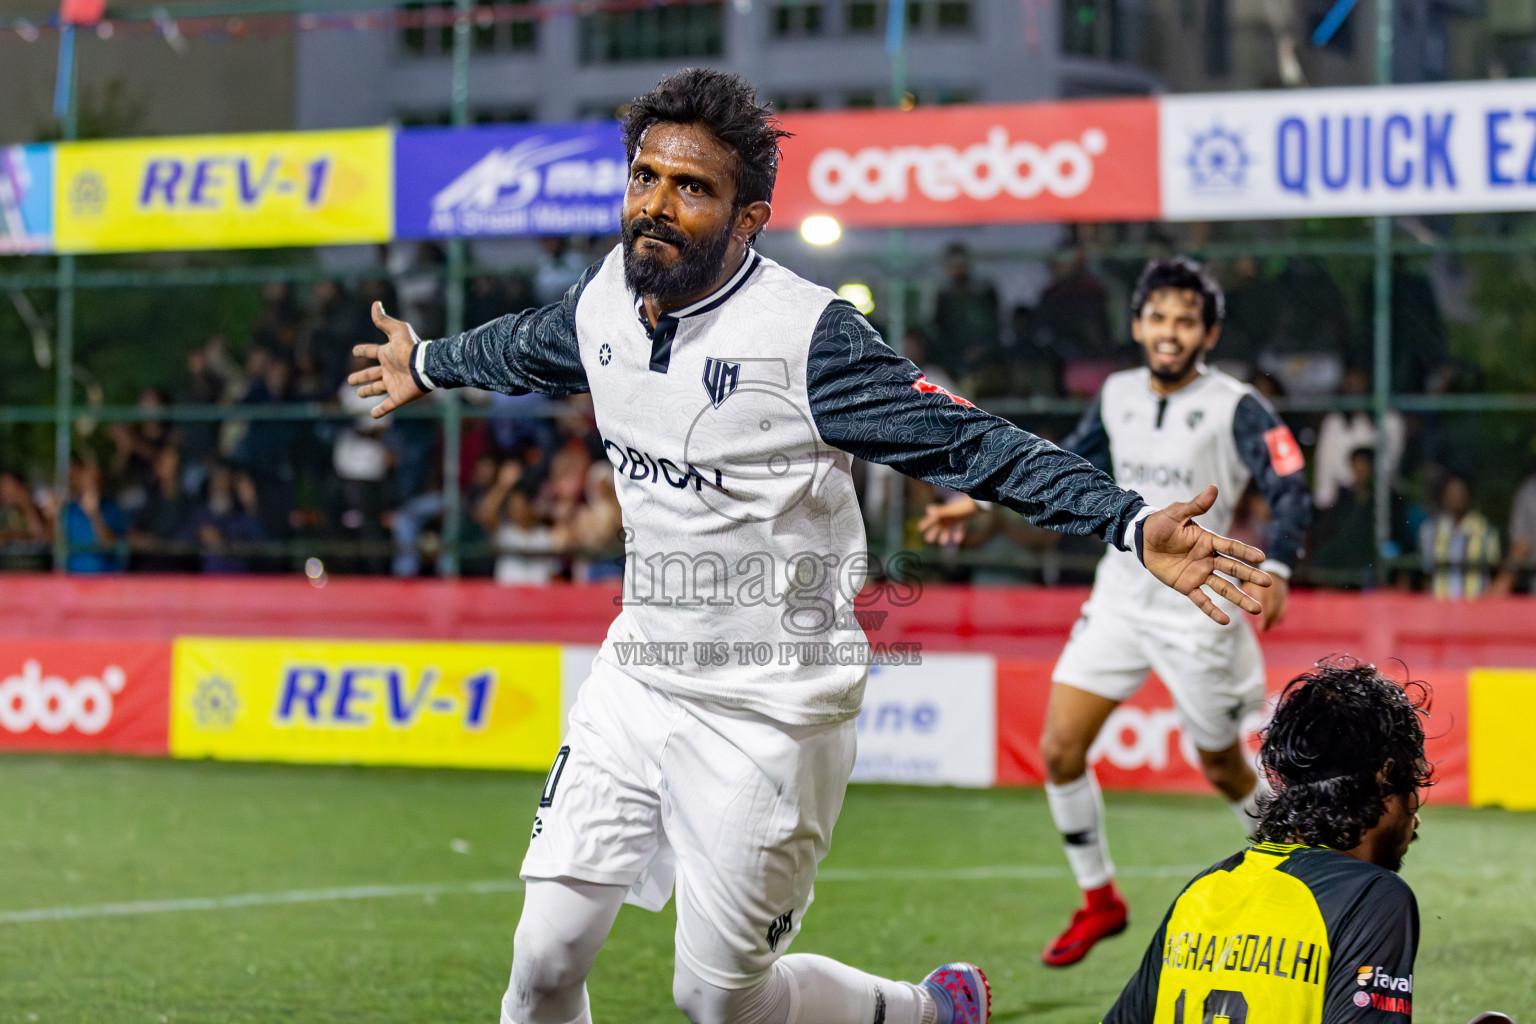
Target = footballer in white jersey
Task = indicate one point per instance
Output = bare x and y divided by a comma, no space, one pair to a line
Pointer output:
732,397
1164,429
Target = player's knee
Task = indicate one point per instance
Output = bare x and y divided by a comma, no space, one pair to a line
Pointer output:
1065,758
543,969
1228,772
703,1003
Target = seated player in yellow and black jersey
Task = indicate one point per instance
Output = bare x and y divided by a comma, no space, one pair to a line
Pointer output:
1311,925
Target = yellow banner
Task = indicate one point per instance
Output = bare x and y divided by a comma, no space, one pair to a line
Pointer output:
454,705
225,191
1501,710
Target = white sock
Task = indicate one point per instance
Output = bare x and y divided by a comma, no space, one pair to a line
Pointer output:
823,991
1247,809
1077,808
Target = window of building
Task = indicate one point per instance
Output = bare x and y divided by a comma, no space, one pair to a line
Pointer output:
653,33
950,94
798,19
435,116
1218,38
797,101
923,16
1104,29
865,16
495,28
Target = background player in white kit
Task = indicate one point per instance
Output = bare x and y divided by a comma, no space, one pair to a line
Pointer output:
731,396
1164,429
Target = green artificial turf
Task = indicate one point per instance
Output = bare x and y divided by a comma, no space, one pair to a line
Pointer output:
893,899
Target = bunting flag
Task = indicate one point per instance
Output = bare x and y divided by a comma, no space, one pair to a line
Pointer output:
82,12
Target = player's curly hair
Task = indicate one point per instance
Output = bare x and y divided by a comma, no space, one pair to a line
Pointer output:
726,105
1184,274
1343,738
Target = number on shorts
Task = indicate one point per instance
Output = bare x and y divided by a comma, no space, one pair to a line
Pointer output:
547,798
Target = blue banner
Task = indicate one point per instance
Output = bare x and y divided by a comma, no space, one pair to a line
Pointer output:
501,180
26,199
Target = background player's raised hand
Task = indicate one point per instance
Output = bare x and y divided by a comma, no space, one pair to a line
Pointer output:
944,522
1187,557
392,376
1273,598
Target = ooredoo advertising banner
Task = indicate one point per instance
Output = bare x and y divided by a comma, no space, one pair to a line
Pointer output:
546,179
932,722
84,695
225,191
1008,163
26,199
1438,148
459,705
1143,745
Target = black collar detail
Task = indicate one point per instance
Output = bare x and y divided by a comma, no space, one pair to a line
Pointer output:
666,324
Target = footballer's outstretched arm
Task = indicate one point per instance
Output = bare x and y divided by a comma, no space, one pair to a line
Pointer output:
518,354
945,522
1272,455
876,405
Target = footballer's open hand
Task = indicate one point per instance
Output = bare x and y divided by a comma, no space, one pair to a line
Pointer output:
392,376
944,522
1187,557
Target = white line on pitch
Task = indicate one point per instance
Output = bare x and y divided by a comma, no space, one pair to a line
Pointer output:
257,899
1001,872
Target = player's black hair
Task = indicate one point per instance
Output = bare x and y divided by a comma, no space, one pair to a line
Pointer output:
1344,737
727,106
1184,274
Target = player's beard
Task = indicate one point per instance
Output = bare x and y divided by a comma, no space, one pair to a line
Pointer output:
1177,373
697,265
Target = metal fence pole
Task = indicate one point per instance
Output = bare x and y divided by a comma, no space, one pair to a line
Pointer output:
64,355
896,336
896,281
1381,392
64,358
453,413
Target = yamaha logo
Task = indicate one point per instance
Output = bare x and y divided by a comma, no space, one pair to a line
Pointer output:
720,379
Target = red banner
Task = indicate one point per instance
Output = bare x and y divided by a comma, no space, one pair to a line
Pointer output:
1143,746
85,695
941,166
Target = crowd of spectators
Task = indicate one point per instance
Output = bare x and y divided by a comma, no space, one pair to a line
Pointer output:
238,491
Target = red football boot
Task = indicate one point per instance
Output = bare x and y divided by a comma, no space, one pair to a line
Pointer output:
1102,915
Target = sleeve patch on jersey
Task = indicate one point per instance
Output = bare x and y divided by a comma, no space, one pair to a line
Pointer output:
927,387
1284,452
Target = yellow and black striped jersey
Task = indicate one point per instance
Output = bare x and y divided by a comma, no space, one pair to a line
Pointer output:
1280,934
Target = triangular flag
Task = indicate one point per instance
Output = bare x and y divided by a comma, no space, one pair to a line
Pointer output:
82,12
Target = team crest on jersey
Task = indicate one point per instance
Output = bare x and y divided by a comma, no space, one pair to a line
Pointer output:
1194,418
720,379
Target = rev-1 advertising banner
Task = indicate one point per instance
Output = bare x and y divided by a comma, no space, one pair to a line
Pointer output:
225,191
548,179
26,199
984,164
452,705
1442,148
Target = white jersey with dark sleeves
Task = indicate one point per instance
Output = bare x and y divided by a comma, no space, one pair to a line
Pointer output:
728,495
1168,448
732,425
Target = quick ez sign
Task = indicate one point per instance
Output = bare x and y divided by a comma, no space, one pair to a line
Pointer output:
1441,148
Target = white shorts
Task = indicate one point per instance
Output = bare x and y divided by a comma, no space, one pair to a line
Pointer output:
737,808
1214,673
